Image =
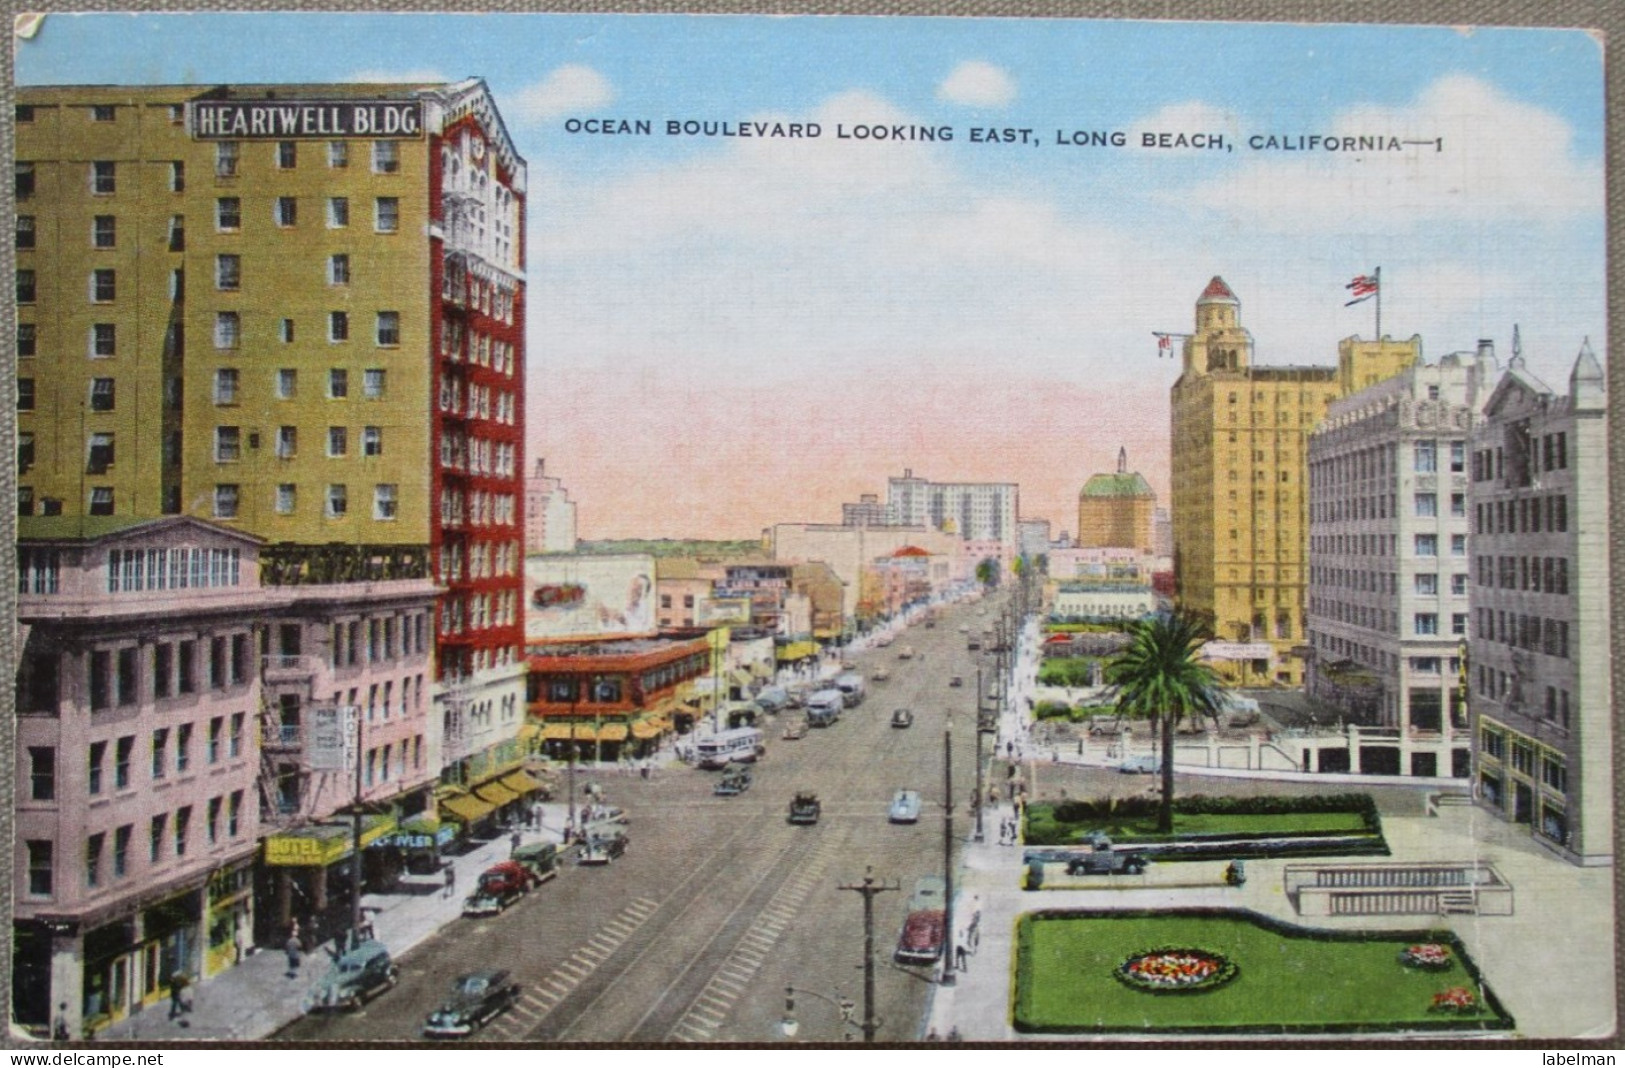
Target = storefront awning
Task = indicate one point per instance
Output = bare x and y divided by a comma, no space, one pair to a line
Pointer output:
739,678
495,793
796,650
647,728
612,732
323,844
520,782
468,808
529,731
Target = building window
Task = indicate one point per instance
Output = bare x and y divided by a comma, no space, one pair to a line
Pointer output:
1425,458
98,753
39,867
104,231
387,215
25,451
25,394
228,271
1427,545
217,727
1427,584
287,498
287,211
103,394
384,501
102,113
155,838
386,157
389,329
1458,585
121,762
338,502
372,383
287,155
27,339
1458,624
1426,623
234,810
287,442
1427,505
27,286
338,154
101,501
1458,545
372,441
338,212
25,500
338,441
177,176
234,748
103,340
24,180
101,453
228,445
42,772
121,851
227,329
225,500
160,756
103,285
338,326
338,383
183,748
183,820
25,231
287,383
228,213
103,177
338,269
225,385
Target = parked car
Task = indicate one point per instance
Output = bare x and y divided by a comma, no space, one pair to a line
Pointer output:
1108,862
500,885
880,674
906,653
602,845
732,784
359,975
794,729
805,808
541,859
905,807
475,1000
902,718
956,681
1141,765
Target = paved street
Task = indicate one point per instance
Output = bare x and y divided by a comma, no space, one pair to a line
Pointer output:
719,902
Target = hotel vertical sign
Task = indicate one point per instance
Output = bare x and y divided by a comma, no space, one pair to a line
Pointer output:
281,120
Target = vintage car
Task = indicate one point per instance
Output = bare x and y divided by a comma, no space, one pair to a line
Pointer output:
905,807
733,783
356,977
906,653
956,681
475,999
1108,862
794,729
541,859
805,808
925,924
902,717
1141,765
602,845
880,674
500,885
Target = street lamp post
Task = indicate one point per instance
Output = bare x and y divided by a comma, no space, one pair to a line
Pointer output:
869,888
790,1026
948,853
979,797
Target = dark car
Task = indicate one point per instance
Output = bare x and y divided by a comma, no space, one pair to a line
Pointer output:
355,978
475,999
1108,862
805,808
956,681
732,784
902,718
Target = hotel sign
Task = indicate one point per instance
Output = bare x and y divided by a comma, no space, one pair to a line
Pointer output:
280,120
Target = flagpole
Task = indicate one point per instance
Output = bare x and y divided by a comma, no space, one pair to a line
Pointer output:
1377,275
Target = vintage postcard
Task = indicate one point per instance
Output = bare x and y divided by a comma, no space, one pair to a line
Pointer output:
673,529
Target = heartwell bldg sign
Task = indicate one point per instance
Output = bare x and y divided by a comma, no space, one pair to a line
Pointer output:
283,119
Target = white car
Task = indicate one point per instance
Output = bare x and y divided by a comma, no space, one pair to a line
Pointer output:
905,807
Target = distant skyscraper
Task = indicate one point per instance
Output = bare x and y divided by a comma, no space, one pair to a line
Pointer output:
1114,511
976,511
550,514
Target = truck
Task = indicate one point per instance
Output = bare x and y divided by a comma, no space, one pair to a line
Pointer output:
850,684
925,924
824,708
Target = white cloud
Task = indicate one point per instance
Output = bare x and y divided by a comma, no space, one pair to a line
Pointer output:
565,89
1189,117
379,76
1501,161
977,84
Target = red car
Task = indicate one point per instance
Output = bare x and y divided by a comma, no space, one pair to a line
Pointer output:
921,940
500,885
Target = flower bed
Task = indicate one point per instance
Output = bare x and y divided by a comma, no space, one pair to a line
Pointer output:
1175,970
1427,956
1458,999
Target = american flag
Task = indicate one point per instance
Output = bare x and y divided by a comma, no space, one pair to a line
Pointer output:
1364,287
1165,345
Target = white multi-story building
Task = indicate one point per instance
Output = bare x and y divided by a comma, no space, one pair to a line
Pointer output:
1388,562
976,511
1538,663
550,514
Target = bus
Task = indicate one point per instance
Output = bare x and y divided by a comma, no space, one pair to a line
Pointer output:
742,745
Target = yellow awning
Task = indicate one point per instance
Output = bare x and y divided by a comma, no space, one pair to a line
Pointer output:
647,728
560,732
495,793
612,732
467,808
528,731
520,782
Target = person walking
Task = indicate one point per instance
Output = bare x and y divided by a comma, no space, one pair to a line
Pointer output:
293,949
451,880
178,982
513,841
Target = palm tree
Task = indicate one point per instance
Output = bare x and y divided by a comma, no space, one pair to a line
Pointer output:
1160,678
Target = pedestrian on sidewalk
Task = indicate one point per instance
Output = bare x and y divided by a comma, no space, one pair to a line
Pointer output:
178,982
513,841
961,958
293,949
451,879
59,1033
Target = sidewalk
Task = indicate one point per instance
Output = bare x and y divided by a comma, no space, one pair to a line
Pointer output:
259,996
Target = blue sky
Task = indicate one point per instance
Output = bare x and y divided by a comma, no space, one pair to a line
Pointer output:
911,269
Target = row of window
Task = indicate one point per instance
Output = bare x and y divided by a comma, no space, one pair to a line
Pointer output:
169,834
1522,515
1540,574
481,349
1525,454
228,442
478,508
385,638
133,570
98,501
385,500
1538,635
479,611
474,455
173,670
477,401
228,329
1425,584
484,560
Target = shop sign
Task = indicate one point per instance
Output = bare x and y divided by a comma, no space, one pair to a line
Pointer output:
276,120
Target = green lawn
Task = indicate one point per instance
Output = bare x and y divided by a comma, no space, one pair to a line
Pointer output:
1144,828
1286,983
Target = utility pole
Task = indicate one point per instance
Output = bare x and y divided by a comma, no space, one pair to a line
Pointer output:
868,888
355,838
948,854
979,753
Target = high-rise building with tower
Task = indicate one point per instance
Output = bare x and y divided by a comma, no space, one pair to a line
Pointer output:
1115,510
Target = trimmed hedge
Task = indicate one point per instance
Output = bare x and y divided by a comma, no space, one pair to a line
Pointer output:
1070,822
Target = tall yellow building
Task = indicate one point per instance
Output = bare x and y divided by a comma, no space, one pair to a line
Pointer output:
1115,510
1239,480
